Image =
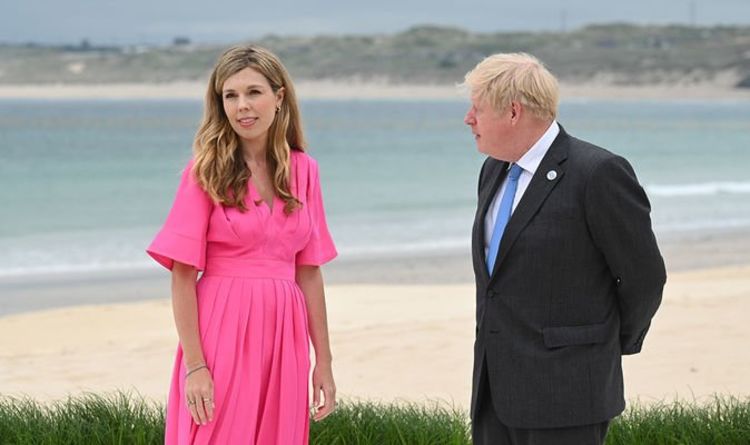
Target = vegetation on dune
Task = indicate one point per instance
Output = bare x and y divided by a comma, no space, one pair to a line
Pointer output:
614,54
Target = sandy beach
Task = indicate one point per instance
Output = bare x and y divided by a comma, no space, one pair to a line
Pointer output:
349,90
391,342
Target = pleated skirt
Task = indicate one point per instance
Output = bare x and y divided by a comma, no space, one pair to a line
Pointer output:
255,341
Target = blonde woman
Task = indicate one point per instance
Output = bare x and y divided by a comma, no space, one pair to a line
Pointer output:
249,214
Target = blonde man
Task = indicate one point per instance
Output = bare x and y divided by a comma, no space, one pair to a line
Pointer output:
568,272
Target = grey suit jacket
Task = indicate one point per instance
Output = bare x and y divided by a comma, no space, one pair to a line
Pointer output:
577,280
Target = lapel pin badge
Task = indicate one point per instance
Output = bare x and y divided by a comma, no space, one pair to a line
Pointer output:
551,175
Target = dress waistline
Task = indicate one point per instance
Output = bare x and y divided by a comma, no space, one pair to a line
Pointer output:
250,268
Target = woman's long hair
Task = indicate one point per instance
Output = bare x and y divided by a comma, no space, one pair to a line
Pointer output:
219,165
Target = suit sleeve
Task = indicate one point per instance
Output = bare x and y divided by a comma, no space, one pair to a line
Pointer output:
320,248
183,236
618,214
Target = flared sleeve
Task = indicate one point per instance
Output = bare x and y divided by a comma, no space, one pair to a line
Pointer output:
319,248
183,236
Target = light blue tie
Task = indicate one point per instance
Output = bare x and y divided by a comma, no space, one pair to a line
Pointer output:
503,215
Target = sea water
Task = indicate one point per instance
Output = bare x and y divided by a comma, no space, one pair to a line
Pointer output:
84,185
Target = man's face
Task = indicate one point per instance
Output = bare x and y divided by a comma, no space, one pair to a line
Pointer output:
492,129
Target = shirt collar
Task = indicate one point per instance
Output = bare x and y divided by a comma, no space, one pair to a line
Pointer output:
531,159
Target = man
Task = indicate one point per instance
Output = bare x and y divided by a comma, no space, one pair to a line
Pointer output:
568,272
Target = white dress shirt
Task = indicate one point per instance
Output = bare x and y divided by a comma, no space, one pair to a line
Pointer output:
529,162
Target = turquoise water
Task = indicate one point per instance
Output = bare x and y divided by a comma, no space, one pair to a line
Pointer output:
84,185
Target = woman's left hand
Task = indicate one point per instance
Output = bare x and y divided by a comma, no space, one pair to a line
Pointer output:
323,384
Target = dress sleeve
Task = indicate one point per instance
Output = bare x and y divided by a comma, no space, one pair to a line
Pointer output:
320,248
183,236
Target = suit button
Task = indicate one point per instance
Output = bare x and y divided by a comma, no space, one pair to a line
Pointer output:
491,294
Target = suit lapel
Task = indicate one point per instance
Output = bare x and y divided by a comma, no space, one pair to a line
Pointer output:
535,194
496,174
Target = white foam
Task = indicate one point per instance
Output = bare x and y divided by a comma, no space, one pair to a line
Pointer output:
398,249
699,189
703,224
54,269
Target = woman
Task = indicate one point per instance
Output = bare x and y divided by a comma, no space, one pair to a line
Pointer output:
249,214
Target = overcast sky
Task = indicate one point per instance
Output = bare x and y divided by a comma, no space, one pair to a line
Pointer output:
159,21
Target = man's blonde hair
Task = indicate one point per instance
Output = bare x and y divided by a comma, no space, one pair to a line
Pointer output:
506,77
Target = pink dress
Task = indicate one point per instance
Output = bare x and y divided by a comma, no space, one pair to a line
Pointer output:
252,315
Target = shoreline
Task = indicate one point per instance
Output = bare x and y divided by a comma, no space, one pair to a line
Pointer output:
348,90
34,292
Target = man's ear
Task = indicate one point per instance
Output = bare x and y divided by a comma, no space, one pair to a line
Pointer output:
515,111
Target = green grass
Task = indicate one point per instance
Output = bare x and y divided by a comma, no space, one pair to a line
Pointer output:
723,421
122,418
365,423
87,420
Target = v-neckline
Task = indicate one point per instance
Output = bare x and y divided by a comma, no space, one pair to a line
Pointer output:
258,199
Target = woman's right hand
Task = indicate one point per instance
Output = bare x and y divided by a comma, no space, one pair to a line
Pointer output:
199,391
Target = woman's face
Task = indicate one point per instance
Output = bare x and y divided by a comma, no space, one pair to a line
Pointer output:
250,104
